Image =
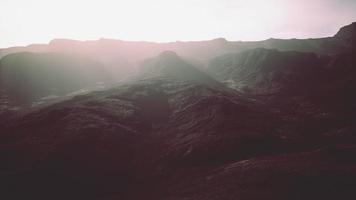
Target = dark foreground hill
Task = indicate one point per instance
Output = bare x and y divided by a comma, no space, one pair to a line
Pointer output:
170,139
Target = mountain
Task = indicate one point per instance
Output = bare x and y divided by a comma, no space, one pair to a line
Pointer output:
326,46
265,71
36,48
123,57
28,77
277,74
168,130
169,64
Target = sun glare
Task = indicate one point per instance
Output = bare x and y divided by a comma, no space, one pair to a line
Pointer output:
159,20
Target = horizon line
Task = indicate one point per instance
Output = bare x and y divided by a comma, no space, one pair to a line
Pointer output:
167,42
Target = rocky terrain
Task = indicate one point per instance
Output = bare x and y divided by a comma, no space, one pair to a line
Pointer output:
263,120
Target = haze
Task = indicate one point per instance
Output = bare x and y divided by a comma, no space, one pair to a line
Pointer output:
24,22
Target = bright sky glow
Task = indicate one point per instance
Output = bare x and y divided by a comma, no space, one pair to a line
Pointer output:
24,22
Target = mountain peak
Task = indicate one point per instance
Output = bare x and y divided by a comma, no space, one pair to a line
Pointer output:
168,55
169,64
222,40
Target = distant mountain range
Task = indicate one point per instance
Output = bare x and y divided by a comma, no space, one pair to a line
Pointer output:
123,56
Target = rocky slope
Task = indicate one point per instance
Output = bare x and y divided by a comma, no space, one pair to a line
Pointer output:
149,139
104,142
281,76
264,71
347,34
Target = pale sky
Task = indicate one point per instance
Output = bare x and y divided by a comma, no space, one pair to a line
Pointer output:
24,22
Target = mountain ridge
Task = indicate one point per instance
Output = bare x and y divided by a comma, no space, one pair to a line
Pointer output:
181,46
